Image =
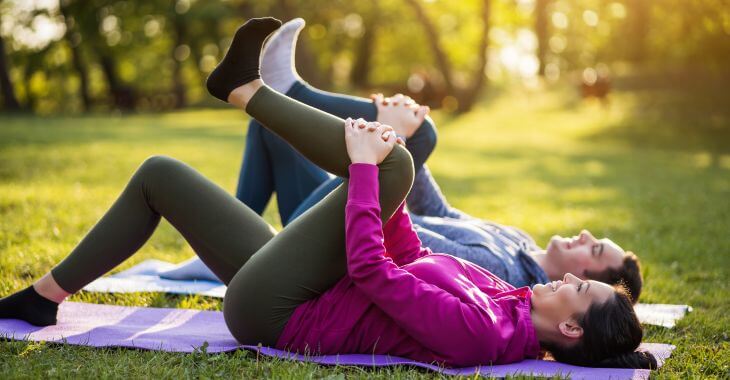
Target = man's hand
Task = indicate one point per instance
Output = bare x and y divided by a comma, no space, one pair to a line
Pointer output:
369,142
400,112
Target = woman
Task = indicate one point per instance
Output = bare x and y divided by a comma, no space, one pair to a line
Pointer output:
271,165
327,287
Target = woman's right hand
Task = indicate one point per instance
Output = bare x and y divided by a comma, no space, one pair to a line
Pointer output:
369,142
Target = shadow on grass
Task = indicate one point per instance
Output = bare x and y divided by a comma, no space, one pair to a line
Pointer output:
84,130
684,111
31,147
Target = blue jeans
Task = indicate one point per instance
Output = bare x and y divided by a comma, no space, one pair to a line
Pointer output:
271,165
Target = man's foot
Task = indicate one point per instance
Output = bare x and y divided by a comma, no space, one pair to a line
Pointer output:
191,269
277,62
241,63
29,306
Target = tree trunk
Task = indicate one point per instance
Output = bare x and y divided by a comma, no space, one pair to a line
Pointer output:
178,84
76,57
108,67
359,76
10,102
465,97
80,68
442,61
30,100
122,96
541,32
470,96
638,23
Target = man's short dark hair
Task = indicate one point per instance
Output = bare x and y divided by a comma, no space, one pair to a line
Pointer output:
628,275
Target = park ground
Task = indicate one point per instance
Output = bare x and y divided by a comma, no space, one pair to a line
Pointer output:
651,170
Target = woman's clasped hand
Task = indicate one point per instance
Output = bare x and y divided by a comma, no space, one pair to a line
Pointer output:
369,142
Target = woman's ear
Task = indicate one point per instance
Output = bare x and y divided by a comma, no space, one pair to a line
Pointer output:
570,329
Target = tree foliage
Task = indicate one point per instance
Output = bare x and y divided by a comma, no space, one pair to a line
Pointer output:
82,55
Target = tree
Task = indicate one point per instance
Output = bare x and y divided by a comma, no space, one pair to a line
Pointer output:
89,16
73,38
361,70
638,24
466,97
432,35
33,61
467,100
541,32
10,102
179,26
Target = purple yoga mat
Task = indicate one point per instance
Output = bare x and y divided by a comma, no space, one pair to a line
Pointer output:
185,330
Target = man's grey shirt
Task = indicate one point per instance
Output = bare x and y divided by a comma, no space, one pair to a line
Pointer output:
502,250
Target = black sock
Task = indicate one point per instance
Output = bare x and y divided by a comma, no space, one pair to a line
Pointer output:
29,306
241,63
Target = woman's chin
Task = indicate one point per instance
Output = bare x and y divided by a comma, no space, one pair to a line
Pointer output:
538,289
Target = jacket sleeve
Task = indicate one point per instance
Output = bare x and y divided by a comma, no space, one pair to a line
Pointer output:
463,332
401,240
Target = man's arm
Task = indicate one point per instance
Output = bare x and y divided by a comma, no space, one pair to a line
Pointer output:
427,199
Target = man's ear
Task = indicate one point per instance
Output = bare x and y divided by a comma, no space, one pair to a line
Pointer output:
570,329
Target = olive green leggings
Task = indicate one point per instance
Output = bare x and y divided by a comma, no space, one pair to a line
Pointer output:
268,275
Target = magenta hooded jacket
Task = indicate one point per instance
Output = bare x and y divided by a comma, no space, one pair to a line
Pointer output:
400,299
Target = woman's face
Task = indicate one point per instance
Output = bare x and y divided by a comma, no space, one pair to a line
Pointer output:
559,301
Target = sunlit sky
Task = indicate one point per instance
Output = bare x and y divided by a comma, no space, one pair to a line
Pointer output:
42,29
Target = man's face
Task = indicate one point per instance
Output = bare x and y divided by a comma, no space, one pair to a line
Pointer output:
584,253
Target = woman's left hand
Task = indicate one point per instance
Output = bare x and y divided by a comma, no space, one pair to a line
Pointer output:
369,142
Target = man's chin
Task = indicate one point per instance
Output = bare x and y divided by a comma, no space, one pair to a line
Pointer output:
552,248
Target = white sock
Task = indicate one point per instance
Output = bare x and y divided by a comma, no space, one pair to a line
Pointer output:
277,60
191,269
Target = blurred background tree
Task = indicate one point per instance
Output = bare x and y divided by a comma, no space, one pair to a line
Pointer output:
100,55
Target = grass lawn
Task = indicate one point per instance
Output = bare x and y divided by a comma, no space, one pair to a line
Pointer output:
651,171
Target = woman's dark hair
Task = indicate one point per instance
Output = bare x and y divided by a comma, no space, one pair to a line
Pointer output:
611,334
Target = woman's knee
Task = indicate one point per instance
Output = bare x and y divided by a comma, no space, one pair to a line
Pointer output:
244,311
233,321
158,168
234,313
158,164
